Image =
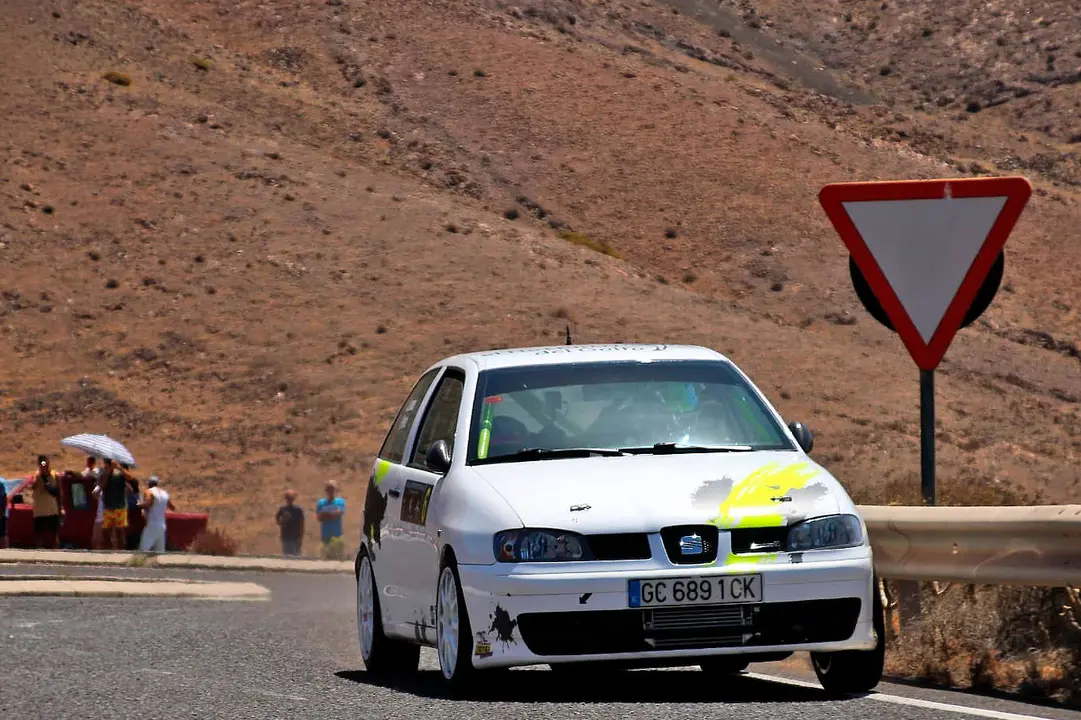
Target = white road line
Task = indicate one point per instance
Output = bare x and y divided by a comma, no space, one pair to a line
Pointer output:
911,702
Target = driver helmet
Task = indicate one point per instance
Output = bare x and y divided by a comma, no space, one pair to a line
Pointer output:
680,397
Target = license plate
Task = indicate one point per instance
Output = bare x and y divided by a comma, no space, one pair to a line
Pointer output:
710,590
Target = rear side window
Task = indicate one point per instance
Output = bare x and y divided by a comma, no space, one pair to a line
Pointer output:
393,448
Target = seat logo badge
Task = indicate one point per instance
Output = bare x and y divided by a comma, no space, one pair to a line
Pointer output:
691,545
577,508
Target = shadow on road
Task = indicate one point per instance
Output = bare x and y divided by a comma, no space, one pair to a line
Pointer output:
669,686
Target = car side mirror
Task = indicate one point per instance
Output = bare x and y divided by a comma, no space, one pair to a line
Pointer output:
804,436
438,459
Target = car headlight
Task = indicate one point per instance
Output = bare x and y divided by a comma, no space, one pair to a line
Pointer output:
532,545
831,531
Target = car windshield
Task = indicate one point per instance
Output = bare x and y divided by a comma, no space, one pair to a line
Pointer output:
611,408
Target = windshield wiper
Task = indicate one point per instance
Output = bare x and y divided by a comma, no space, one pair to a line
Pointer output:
667,448
540,453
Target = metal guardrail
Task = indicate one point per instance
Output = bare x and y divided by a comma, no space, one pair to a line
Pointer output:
1037,546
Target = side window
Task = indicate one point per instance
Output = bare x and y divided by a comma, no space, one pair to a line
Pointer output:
394,445
79,498
441,418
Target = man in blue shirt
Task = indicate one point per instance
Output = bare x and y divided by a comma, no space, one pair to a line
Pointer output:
329,511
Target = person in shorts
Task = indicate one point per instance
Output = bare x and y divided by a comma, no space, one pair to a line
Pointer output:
114,495
329,511
45,496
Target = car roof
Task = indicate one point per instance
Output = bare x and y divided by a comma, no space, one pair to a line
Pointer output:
575,354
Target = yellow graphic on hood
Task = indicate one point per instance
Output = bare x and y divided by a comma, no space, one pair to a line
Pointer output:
762,489
758,491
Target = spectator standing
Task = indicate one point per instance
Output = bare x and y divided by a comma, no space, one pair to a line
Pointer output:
290,519
329,511
3,515
45,489
134,509
155,502
114,496
93,473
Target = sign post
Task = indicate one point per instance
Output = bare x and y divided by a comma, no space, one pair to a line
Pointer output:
927,436
926,259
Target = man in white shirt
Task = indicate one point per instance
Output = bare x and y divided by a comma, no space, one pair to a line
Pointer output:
155,502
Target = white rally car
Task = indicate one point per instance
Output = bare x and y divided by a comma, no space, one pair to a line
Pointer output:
626,505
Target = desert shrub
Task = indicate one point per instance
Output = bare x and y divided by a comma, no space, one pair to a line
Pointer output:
586,241
334,549
214,541
117,78
203,64
1006,638
1013,639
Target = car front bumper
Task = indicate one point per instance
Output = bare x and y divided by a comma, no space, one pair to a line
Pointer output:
528,614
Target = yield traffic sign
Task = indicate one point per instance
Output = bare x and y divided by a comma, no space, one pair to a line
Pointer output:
930,251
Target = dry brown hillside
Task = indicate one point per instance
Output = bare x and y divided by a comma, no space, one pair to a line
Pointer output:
235,232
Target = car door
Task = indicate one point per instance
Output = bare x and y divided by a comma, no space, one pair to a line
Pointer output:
382,503
80,509
419,545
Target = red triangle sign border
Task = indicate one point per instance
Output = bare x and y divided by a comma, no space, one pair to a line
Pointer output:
1016,190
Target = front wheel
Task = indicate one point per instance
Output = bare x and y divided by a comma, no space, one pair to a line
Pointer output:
454,637
380,653
851,672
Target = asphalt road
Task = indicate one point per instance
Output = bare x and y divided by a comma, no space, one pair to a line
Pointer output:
296,656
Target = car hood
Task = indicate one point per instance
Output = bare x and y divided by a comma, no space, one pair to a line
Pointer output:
644,493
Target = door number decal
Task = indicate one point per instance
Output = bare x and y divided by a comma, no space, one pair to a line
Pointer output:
415,502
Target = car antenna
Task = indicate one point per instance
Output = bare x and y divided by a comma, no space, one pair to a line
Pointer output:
569,335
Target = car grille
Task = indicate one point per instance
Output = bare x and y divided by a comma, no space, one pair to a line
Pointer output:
622,546
758,540
689,628
690,544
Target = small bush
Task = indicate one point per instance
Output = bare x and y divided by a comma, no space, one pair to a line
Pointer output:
117,78
584,240
334,549
203,64
1013,639
1005,638
214,541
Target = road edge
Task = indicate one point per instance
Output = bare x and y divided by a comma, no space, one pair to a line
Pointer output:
172,561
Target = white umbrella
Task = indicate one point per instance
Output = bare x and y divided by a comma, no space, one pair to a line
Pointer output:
101,446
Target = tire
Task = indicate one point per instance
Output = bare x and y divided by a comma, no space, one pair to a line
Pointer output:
724,665
851,672
381,655
453,634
